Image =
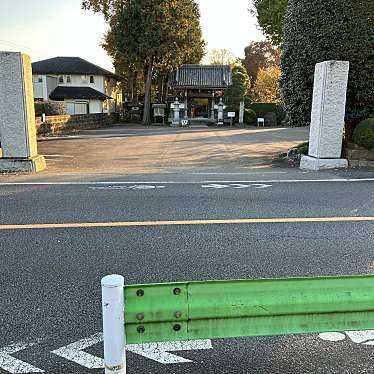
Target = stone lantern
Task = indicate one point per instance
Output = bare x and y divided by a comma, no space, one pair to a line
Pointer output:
176,110
221,107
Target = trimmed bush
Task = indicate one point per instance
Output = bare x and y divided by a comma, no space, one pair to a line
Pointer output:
322,30
262,108
364,134
50,108
249,116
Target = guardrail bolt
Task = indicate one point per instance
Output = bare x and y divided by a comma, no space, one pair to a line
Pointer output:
177,327
140,316
140,329
178,314
177,291
140,293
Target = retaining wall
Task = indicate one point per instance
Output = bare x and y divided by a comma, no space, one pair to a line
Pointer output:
66,123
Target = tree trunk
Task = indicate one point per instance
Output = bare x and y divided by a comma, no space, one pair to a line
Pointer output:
147,96
135,97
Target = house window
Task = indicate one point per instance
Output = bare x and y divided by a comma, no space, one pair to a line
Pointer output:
84,78
61,79
92,79
68,79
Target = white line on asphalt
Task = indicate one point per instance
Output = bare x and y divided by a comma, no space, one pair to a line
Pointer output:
74,352
248,173
188,182
13,365
158,352
359,337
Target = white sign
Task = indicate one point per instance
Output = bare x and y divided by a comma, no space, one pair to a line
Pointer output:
231,114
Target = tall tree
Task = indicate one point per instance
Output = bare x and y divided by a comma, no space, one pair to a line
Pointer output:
239,89
221,57
260,55
266,88
321,30
156,35
270,15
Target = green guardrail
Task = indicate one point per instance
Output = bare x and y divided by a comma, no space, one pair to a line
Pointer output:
228,309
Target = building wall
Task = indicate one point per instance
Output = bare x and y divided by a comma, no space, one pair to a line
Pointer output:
107,85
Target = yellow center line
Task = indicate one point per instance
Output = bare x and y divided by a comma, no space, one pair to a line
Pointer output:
73,225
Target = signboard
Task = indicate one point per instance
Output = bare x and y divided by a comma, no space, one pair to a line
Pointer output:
231,114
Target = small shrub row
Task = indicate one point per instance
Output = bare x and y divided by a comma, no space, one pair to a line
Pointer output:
50,108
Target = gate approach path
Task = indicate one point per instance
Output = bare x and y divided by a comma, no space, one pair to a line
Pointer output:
159,205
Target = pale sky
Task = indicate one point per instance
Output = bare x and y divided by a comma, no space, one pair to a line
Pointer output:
50,28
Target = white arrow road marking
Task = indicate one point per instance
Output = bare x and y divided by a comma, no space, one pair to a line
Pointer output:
261,186
160,351
237,186
240,185
359,337
135,187
74,352
215,186
13,365
155,351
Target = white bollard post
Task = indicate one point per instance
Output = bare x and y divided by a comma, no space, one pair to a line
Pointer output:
114,324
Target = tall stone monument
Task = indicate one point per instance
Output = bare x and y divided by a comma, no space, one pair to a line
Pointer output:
327,122
17,115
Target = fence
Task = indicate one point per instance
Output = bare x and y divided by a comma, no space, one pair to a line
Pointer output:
228,309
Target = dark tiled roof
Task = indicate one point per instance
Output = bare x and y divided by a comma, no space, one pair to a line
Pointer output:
84,93
204,76
69,65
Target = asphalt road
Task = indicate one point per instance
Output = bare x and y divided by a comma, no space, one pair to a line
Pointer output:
50,277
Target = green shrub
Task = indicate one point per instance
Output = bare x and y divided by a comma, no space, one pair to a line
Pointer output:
262,108
364,134
303,148
50,108
249,116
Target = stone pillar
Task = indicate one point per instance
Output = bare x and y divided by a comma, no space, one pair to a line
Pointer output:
327,122
17,115
212,107
241,113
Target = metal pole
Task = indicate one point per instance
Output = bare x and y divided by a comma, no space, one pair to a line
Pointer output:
113,324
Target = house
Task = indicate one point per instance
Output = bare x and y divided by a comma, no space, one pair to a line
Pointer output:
199,87
84,87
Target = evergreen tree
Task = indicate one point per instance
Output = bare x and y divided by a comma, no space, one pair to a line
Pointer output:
270,16
239,89
322,30
152,35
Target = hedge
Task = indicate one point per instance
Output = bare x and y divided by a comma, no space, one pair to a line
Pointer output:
364,134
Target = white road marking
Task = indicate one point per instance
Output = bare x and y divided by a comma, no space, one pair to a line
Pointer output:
248,173
236,186
122,187
359,337
216,186
159,352
74,352
187,182
13,365
261,186
59,156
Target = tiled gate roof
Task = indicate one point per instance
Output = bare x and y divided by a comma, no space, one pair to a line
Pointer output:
201,76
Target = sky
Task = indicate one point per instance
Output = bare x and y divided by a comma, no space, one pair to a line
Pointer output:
50,28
